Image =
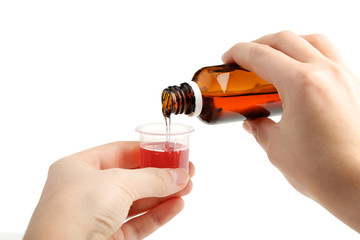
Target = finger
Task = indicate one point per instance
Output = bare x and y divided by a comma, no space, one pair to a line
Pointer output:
268,63
112,155
292,45
151,182
325,46
125,154
263,129
191,169
143,205
142,226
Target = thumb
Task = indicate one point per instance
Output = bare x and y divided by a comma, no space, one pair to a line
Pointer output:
154,182
262,129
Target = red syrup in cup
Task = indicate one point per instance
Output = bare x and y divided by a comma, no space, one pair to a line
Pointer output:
165,155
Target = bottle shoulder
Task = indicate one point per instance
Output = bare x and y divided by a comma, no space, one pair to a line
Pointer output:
230,80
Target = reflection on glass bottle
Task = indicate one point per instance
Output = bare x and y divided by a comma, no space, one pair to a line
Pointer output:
223,93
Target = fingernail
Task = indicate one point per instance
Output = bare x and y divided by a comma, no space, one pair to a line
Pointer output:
247,126
179,176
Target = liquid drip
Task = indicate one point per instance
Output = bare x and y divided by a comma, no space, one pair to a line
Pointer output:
168,126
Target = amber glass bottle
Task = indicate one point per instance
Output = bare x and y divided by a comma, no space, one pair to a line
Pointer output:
222,93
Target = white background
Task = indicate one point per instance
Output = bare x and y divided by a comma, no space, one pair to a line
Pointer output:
75,74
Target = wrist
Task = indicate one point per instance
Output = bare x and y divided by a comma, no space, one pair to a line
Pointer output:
338,191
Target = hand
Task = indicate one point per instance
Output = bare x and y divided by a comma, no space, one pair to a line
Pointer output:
316,144
90,194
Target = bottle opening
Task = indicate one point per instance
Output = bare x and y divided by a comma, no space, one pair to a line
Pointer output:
183,99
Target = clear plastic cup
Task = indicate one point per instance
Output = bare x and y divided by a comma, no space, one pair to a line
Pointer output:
162,150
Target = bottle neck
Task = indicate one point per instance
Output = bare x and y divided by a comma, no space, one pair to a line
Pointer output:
183,99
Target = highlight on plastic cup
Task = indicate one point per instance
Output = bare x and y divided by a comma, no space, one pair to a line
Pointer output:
164,150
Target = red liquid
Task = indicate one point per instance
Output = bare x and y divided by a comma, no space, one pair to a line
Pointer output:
164,155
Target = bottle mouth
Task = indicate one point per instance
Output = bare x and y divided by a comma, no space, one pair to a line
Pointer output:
183,99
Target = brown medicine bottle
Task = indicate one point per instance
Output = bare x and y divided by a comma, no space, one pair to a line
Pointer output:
222,93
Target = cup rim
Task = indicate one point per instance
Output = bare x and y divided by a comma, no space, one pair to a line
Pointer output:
187,129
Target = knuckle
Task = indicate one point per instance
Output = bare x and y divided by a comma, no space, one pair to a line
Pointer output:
104,226
52,167
337,71
162,179
128,194
316,80
309,80
317,39
286,34
121,180
156,220
56,166
257,51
